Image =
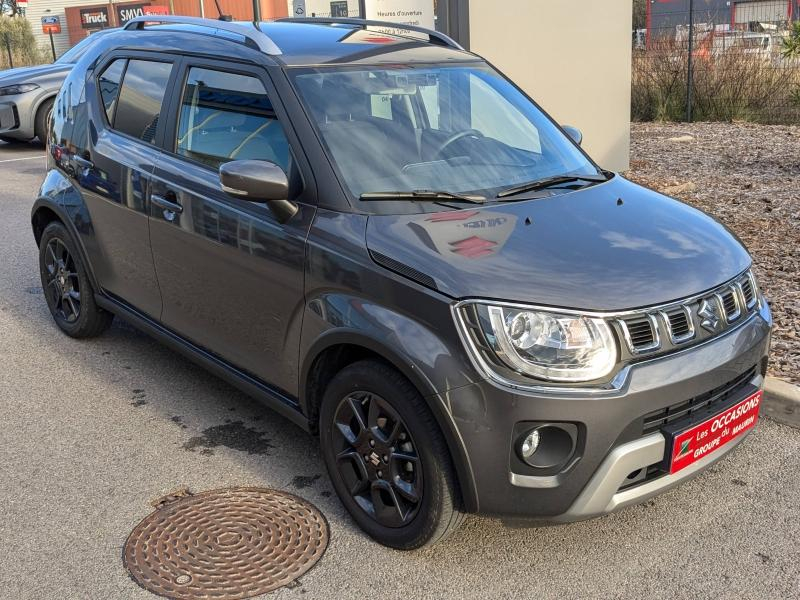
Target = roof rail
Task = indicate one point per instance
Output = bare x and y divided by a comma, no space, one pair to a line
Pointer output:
249,31
435,36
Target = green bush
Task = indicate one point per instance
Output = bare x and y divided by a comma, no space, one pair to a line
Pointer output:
791,43
24,49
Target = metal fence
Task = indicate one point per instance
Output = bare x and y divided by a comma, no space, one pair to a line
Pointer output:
716,60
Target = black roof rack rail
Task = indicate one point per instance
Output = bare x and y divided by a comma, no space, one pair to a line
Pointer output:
249,31
435,36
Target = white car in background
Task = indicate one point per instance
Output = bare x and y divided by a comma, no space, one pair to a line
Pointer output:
27,94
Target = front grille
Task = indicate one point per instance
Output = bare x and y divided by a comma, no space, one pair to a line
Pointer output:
680,324
641,333
667,328
748,293
654,421
657,419
730,305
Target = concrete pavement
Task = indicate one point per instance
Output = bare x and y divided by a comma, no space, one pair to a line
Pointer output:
91,431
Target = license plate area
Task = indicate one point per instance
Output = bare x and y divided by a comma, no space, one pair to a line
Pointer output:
708,430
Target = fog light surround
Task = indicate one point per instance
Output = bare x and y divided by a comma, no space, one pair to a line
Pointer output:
547,446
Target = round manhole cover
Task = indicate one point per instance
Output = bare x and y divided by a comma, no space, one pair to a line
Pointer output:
226,544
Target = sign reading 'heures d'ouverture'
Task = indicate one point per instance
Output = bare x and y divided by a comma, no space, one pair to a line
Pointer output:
407,12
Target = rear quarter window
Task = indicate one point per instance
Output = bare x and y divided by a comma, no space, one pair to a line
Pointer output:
141,98
108,83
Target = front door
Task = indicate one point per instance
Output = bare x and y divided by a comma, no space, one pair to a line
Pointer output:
231,276
112,156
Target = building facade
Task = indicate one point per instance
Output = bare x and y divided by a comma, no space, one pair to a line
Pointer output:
79,18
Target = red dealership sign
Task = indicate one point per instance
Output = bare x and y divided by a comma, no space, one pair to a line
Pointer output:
701,440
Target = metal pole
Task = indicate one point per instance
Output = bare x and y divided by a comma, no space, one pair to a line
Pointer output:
203,8
257,10
8,49
690,65
172,7
52,45
362,9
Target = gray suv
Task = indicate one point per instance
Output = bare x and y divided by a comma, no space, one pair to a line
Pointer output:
386,241
27,93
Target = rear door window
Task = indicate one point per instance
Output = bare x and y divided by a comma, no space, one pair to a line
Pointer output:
141,98
228,116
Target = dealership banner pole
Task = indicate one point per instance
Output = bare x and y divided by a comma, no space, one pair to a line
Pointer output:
690,65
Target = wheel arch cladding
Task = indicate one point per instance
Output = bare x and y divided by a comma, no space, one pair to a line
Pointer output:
336,349
48,209
42,216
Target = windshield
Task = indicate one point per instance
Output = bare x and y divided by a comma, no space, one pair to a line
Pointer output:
459,129
75,53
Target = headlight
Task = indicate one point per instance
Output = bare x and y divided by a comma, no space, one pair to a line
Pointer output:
547,345
13,90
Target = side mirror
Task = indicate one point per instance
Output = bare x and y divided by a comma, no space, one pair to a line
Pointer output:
259,181
574,133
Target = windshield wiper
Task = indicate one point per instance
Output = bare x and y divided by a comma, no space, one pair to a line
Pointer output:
547,182
423,195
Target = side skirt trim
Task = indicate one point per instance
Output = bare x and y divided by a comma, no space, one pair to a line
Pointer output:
257,389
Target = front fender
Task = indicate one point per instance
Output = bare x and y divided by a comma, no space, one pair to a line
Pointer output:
58,198
423,355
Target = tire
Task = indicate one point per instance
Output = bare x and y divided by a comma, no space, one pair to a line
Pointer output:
42,120
402,427
12,140
67,289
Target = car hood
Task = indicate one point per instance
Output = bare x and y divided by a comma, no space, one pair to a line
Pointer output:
33,74
612,246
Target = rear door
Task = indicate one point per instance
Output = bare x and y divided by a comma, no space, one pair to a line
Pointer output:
112,155
231,276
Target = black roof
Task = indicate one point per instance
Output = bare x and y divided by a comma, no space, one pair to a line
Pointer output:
299,43
318,44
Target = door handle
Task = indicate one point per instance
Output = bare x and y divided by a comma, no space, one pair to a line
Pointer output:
170,208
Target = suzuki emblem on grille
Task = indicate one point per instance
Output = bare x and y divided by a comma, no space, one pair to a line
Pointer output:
708,314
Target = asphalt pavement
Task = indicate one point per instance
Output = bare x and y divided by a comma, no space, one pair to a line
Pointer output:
92,431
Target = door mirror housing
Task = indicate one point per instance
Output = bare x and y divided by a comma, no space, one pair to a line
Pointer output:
259,181
574,133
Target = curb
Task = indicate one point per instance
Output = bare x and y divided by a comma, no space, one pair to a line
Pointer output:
782,401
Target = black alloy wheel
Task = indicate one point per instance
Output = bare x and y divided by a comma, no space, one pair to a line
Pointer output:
66,285
377,459
387,458
63,286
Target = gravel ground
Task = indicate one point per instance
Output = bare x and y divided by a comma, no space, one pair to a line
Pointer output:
746,176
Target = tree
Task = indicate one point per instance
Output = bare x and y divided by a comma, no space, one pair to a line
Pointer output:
9,7
640,14
17,34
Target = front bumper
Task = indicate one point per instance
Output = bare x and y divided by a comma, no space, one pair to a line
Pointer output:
17,115
9,118
613,441
602,495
